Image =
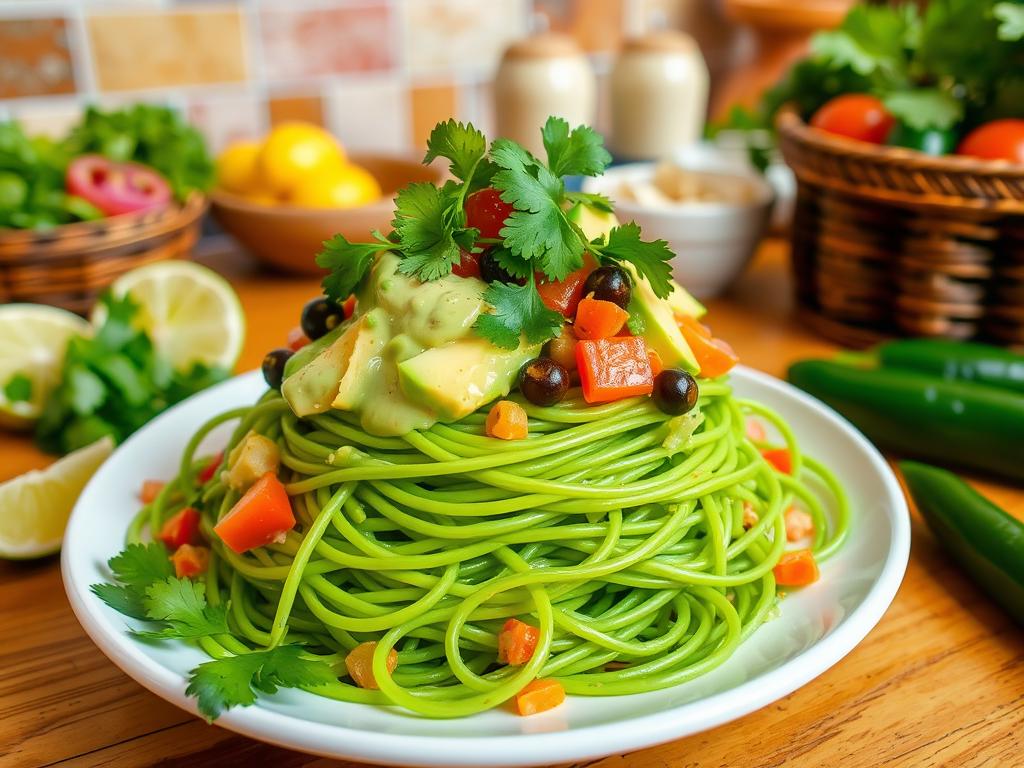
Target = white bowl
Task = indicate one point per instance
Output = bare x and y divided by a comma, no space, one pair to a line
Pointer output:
713,241
815,627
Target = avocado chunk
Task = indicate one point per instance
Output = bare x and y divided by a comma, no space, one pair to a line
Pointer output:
456,379
336,376
661,332
594,222
683,303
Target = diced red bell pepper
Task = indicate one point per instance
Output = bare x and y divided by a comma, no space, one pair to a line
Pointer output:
516,642
206,473
264,514
780,459
796,569
190,561
181,528
297,339
611,369
714,356
564,295
150,490
598,319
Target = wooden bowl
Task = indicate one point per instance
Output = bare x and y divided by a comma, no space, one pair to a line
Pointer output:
288,237
69,265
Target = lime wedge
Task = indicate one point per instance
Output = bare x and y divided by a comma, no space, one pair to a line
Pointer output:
33,341
34,508
191,313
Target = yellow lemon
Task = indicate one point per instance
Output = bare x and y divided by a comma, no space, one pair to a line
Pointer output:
345,187
237,168
293,151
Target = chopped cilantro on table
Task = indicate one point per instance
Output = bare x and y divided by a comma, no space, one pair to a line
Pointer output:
537,242
146,589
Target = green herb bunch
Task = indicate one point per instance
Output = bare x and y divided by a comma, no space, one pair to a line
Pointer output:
538,241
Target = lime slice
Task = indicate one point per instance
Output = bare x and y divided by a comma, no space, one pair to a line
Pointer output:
33,341
190,312
34,508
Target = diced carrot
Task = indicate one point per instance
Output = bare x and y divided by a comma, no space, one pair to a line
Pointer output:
799,524
750,517
539,696
796,569
190,561
206,473
564,295
507,421
297,339
755,431
150,490
516,642
598,319
611,369
349,306
181,528
359,664
780,459
264,514
714,356
562,349
656,365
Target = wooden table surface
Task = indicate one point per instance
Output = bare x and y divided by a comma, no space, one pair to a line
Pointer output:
939,682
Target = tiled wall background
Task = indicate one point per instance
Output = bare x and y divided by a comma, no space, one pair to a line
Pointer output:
379,73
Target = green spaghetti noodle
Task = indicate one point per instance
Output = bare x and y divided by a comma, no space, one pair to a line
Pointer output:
618,530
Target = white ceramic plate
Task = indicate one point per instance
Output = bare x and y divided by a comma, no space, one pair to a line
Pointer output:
817,626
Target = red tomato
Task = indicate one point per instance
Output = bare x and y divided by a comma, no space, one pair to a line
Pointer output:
486,211
116,188
264,514
297,339
564,295
998,140
856,116
780,459
468,266
182,528
150,490
349,306
190,561
206,473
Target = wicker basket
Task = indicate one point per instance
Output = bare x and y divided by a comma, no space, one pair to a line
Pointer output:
69,265
891,242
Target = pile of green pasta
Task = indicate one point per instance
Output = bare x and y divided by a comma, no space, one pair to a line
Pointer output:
616,529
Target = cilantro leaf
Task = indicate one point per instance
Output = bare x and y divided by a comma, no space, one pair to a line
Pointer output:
126,600
594,199
18,388
871,39
137,567
426,224
925,108
515,265
517,310
181,603
460,143
348,263
538,229
580,152
233,681
650,258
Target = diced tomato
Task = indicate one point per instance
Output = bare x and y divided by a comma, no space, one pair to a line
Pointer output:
264,514
359,664
486,211
598,319
507,421
150,490
468,266
755,431
116,188
539,696
656,365
349,306
564,295
611,369
714,356
181,528
206,473
190,561
297,339
799,524
796,569
516,642
780,459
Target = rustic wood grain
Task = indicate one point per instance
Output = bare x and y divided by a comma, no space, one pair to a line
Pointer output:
939,682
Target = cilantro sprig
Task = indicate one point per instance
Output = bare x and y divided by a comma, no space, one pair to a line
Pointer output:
538,242
147,589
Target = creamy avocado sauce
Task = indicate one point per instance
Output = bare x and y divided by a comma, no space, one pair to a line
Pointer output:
402,319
